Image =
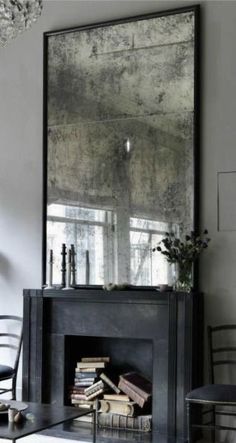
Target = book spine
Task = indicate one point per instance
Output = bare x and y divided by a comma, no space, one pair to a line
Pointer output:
76,391
132,394
81,405
82,365
95,359
94,394
135,388
85,375
77,397
83,383
84,370
110,383
84,402
94,387
114,407
88,418
116,397
115,421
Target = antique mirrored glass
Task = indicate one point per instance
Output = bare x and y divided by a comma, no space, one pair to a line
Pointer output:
120,132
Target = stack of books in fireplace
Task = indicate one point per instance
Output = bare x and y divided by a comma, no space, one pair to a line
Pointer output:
123,403
87,385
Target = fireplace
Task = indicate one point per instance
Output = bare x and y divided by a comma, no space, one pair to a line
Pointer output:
151,332
125,355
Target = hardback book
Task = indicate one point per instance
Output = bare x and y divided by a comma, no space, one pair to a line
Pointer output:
83,379
82,375
84,382
88,418
95,394
95,364
142,423
132,394
138,383
110,383
95,359
119,407
84,404
94,387
76,397
72,393
76,390
87,369
116,397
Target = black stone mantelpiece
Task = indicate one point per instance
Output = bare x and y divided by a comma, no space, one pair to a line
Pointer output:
166,326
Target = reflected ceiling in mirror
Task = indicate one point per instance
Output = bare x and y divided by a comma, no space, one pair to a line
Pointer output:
120,123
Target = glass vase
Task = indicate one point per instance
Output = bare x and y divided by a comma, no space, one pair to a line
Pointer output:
184,276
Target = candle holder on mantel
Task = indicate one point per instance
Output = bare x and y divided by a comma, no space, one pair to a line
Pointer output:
68,272
50,276
63,265
73,265
87,268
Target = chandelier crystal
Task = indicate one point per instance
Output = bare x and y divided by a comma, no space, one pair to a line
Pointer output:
16,16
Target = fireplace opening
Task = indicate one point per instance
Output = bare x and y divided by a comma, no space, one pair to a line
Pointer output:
84,384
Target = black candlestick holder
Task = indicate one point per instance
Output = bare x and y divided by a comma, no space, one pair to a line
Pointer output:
63,265
73,265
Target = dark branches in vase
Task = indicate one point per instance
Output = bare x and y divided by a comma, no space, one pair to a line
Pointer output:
183,252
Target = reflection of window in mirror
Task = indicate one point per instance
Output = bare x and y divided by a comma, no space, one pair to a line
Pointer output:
99,259
90,231
148,269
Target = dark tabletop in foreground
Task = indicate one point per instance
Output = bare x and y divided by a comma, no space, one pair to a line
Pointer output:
43,416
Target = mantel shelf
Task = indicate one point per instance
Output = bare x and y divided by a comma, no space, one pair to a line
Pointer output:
103,296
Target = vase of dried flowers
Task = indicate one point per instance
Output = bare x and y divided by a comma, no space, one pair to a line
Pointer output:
183,253
183,276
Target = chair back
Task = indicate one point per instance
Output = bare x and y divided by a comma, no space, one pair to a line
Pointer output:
11,336
222,348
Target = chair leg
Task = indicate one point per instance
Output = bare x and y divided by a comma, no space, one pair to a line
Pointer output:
189,423
14,388
213,432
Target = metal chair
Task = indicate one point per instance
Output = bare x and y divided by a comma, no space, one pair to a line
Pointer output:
11,340
214,395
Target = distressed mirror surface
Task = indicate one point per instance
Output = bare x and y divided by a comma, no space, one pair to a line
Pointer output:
120,142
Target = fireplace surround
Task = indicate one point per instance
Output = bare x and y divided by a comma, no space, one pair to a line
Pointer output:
158,334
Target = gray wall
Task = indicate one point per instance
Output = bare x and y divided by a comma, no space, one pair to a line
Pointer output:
21,144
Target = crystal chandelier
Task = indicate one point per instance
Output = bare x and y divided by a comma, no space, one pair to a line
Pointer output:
17,16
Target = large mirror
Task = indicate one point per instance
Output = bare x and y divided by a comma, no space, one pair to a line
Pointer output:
120,144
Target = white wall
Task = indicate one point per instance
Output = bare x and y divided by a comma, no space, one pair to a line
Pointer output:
218,276
21,144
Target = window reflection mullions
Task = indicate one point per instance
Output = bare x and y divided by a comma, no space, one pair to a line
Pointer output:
96,240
